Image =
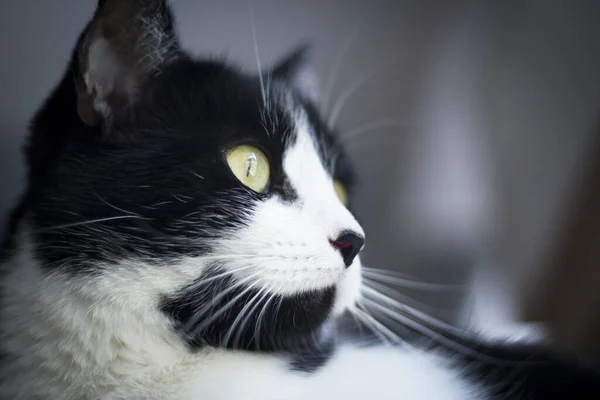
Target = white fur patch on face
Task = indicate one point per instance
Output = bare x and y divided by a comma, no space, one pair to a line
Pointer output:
105,338
286,247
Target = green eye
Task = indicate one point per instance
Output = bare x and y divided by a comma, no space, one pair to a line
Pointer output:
250,166
341,192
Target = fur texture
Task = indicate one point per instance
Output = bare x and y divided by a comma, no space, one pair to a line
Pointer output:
137,266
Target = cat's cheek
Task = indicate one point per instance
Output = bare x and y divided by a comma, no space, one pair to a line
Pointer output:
349,289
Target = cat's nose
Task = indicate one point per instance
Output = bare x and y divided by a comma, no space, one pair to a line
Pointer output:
349,244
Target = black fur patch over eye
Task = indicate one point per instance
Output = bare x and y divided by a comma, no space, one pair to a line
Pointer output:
126,166
156,180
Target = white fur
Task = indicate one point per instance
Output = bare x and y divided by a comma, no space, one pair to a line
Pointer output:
289,243
491,309
79,342
104,337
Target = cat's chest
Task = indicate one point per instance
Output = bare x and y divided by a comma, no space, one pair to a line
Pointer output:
351,374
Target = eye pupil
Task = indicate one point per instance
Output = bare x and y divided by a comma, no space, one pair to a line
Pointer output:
250,166
251,162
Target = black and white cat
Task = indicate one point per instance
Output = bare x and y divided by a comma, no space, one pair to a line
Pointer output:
185,235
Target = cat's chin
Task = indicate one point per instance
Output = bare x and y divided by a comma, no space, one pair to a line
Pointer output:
254,319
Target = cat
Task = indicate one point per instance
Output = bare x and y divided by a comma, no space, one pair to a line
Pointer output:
186,234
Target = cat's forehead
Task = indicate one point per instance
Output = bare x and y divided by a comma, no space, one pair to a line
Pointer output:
222,107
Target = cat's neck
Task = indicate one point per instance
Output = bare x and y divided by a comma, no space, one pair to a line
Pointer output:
56,330
68,348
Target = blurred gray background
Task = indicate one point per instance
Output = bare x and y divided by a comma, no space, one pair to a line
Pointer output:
468,121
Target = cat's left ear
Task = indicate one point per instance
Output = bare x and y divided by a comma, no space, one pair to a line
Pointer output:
296,70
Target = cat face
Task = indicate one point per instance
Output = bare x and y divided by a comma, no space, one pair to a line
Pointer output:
188,189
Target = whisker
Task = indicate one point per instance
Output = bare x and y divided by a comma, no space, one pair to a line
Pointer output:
333,72
358,132
264,296
213,317
391,272
403,275
256,54
378,325
275,315
398,296
433,335
197,175
247,257
113,206
346,94
369,291
238,256
246,312
268,92
223,274
380,328
201,311
261,317
441,339
410,284
224,308
225,339
356,313
92,221
178,197
358,323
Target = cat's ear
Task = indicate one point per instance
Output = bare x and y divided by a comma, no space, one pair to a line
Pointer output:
296,70
126,43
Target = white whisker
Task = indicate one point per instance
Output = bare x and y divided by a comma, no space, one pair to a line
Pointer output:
256,54
333,72
240,256
410,284
92,221
407,277
224,308
261,316
401,298
223,274
435,336
197,175
380,328
276,314
247,309
431,334
357,314
113,206
369,291
346,94
375,125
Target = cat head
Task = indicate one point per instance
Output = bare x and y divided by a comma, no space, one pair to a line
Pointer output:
215,198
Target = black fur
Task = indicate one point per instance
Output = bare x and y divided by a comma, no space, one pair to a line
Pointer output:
529,372
506,371
158,168
292,325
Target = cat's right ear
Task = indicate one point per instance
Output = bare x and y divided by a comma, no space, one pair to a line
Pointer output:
126,44
296,71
